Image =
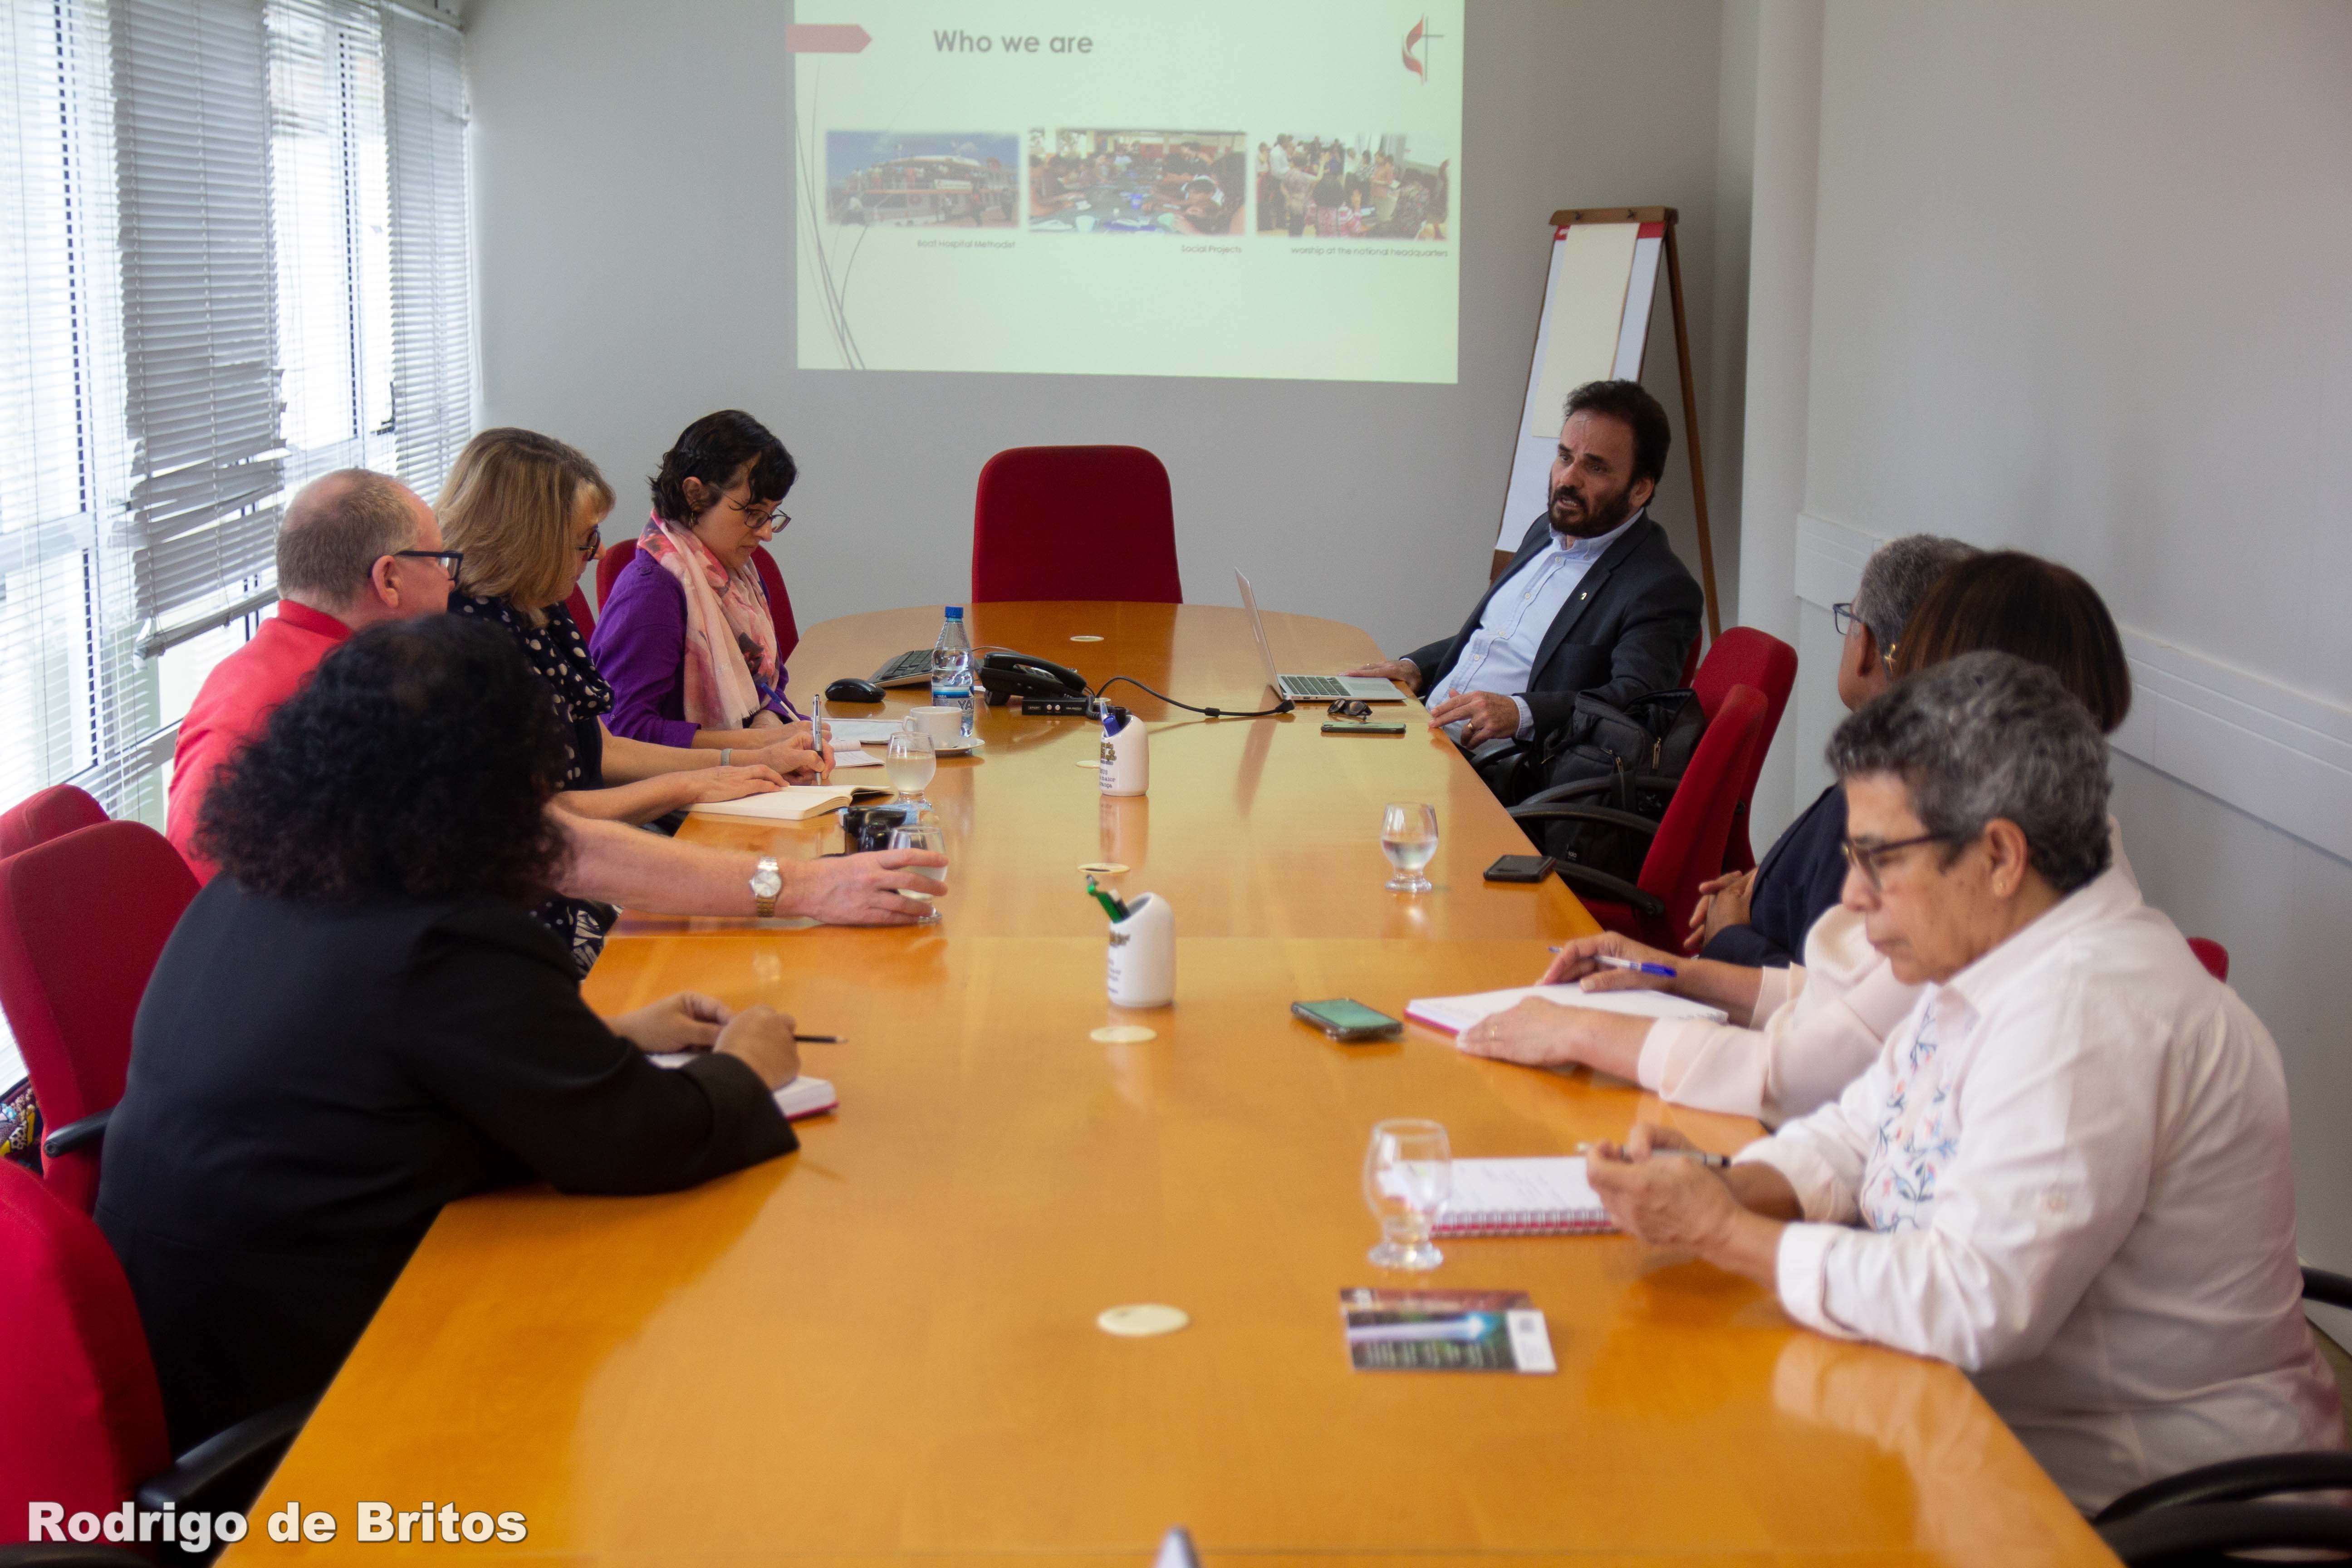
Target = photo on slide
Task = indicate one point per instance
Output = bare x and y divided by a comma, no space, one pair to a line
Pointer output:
1353,187
1137,182
891,179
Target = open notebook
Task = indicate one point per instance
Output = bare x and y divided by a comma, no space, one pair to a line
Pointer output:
793,803
1455,1014
1522,1197
803,1098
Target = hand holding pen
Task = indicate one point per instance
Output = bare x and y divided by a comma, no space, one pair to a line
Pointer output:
1607,961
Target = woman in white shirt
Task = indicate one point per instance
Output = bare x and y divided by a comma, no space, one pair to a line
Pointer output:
1800,1033
2066,1173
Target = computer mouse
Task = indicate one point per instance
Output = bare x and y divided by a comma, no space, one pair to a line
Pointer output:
850,688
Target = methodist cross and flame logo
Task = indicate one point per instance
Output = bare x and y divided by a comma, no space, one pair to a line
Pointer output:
1420,37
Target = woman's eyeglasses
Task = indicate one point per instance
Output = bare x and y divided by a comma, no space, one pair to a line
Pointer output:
592,547
449,559
1870,859
759,522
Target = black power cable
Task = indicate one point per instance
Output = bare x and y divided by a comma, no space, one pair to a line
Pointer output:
1286,706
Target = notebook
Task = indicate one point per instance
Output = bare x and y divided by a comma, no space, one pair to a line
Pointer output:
793,803
1522,1197
803,1098
1455,1014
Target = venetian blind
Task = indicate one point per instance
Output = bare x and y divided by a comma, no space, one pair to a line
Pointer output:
432,383
199,331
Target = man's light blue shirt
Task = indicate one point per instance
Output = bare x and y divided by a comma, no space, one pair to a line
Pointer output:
1501,654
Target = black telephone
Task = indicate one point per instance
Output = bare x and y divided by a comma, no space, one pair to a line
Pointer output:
1006,676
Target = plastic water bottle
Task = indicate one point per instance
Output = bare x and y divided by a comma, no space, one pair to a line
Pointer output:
951,668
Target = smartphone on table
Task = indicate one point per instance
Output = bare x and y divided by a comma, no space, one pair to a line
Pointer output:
1344,1019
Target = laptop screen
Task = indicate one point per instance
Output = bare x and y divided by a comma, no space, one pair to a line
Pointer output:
1258,629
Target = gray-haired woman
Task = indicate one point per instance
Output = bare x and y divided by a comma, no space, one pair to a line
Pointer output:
2067,1172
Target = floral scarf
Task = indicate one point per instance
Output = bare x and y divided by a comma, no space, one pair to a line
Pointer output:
730,663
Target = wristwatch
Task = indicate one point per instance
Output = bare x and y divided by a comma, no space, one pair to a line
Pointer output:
767,882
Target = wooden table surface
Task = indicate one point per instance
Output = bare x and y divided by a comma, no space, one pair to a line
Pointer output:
884,1347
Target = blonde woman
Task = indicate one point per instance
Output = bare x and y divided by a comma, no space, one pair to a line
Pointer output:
523,509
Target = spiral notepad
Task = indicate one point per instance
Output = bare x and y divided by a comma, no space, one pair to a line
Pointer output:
1522,1197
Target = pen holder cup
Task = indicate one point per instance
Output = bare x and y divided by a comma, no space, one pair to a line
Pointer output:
1142,967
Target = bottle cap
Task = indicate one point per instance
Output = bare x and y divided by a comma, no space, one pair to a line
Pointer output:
955,612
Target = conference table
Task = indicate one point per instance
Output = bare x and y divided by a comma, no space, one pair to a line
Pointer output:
885,1347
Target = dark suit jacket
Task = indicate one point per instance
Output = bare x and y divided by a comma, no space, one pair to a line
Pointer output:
310,1084
1624,633
1796,882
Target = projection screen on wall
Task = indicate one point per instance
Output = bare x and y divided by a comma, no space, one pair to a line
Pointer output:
1262,188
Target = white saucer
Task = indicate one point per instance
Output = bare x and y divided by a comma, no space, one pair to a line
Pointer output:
967,749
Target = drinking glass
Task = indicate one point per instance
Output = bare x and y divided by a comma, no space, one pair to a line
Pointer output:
1408,1176
911,762
1409,838
923,833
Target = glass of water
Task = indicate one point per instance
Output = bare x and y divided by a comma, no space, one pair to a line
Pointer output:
1408,1176
924,833
1409,838
911,762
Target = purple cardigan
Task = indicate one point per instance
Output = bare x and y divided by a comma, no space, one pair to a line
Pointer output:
640,649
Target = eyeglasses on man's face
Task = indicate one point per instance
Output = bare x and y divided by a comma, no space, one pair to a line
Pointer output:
1870,860
449,559
1842,617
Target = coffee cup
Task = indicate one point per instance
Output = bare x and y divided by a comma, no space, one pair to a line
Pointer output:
943,725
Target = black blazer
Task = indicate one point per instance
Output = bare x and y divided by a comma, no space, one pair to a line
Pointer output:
309,1085
1623,633
1796,882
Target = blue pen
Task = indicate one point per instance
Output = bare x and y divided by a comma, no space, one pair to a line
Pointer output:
1611,960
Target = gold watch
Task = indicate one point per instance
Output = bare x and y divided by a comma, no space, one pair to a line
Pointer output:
767,882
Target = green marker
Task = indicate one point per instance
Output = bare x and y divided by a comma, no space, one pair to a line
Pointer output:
1111,907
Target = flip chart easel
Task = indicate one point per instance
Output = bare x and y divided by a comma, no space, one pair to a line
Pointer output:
1596,325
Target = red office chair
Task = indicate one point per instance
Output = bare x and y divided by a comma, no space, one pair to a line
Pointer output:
1075,522
1745,656
771,578
614,561
581,615
82,919
45,814
86,1426
2212,955
780,603
1685,844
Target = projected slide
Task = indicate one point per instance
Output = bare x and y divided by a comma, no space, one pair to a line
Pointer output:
1230,187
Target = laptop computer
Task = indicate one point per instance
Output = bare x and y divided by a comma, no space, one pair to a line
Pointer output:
1311,687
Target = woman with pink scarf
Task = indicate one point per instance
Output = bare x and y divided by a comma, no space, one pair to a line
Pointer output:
686,640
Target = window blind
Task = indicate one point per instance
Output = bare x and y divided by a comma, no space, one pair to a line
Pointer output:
233,255
434,376
200,360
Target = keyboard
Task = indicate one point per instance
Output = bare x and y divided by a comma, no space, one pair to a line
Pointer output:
1315,686
910,668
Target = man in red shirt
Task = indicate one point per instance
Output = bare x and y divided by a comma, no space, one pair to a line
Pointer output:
358,547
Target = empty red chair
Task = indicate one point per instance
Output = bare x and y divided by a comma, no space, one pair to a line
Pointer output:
771,578
86,1430
83,920
1745,656
2212,955
1075,522
45,814
1685,844
581,615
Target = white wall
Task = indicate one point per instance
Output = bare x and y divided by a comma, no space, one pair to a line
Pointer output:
2078,286
635,240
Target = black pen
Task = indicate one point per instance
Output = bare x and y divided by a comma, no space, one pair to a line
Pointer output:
818,1039
1712,1162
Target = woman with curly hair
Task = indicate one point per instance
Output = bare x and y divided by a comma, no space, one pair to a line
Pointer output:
357,1021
